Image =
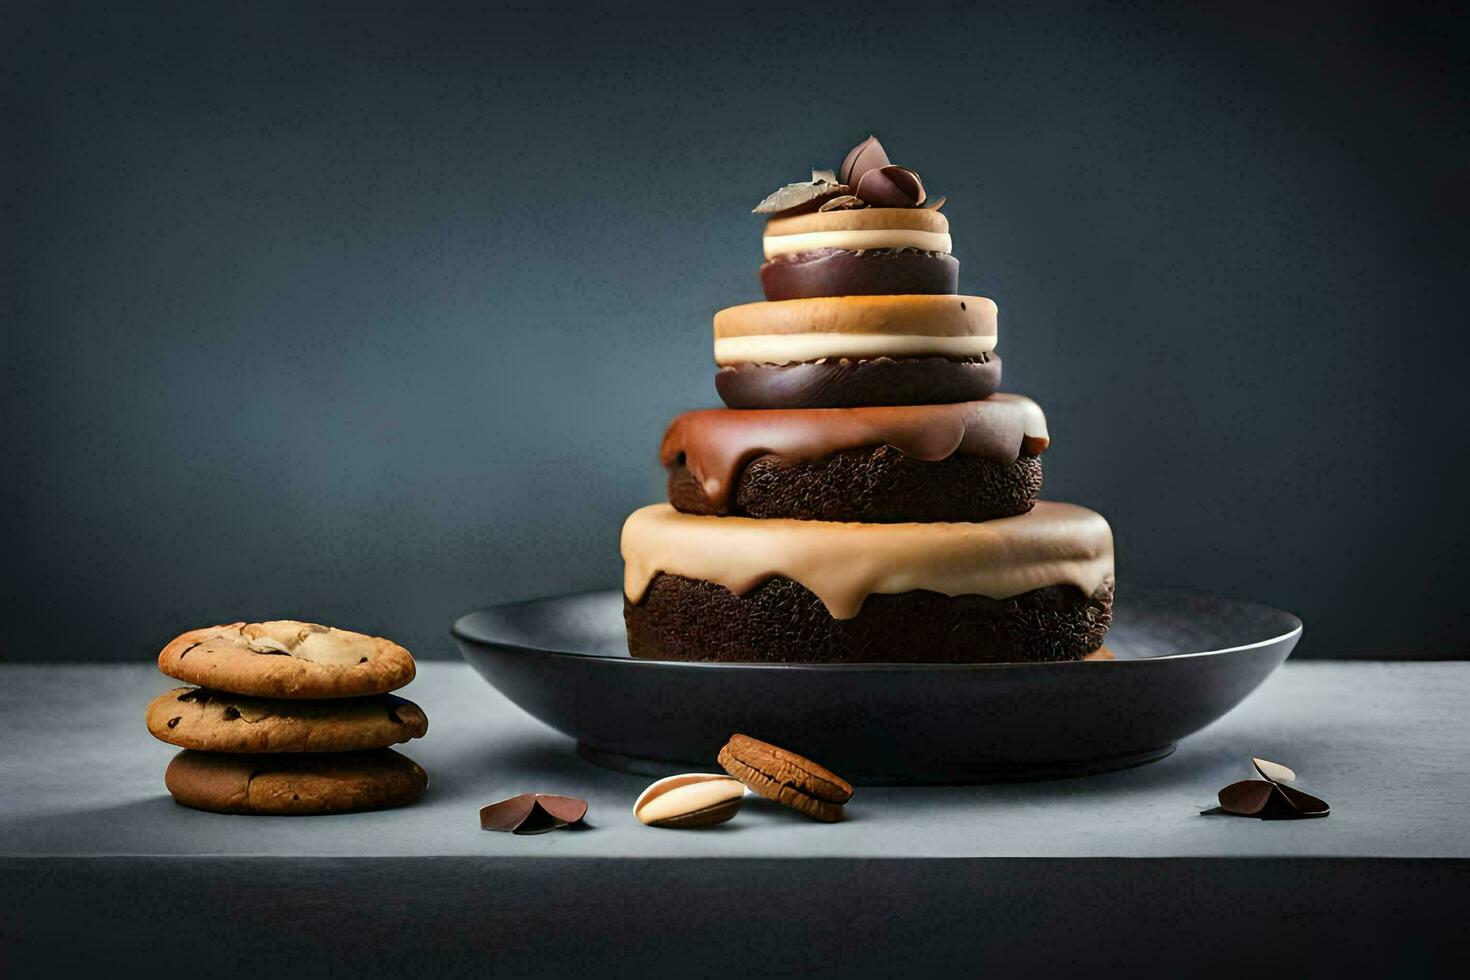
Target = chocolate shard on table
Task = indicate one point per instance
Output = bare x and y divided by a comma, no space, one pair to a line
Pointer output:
1271,797
1270,801
532,813
867,495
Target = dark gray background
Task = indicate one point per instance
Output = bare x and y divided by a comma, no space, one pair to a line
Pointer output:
375,315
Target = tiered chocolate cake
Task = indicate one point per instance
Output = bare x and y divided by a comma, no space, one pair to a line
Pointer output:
867,495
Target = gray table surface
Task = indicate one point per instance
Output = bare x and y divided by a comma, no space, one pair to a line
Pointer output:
1117,873
1386,744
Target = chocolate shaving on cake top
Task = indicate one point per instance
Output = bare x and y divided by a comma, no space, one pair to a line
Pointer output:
866,179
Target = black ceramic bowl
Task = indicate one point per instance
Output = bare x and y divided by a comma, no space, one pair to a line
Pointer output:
1183,661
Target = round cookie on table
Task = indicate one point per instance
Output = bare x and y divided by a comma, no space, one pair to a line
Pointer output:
790,779
287,659
286,784
967,461
216,721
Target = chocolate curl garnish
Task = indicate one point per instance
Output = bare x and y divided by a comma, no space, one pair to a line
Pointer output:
891,187
532,813
1270,798
867,155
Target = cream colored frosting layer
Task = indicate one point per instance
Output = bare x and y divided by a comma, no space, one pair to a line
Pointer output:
859,219
855,326
787,348
856,241
927,316
843,564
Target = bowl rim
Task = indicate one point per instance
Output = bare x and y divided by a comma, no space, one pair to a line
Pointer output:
459,631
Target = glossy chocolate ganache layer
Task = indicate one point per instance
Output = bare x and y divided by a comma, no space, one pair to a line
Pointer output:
963,462
849,382
834,272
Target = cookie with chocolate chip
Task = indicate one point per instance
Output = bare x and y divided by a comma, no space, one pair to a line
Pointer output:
287,659
287,784
215,721
790,779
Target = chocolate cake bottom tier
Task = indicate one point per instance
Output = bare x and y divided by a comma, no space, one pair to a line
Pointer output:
1033,587
848,383
780,621
876,485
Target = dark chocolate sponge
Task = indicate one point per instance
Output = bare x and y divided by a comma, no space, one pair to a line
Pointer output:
781,621
873,272
854,383
874,485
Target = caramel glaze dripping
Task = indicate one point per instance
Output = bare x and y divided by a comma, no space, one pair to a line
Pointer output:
717,444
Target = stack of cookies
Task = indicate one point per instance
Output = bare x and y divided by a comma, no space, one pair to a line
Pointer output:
288,718
867,495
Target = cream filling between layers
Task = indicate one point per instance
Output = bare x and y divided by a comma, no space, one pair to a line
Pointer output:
788,348
843,564
855,326
921,316
857,240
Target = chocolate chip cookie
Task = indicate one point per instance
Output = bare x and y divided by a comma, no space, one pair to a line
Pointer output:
287,659
214,721
294,784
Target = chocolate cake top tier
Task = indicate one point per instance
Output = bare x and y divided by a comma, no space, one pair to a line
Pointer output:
842,564
716,444
866,229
